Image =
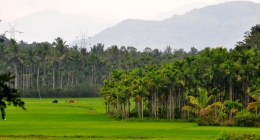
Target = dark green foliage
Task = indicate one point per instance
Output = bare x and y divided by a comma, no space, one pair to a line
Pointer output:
133,114
238,136
8,94
247,119
177,113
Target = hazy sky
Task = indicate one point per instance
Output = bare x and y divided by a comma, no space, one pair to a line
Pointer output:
108,9
110,12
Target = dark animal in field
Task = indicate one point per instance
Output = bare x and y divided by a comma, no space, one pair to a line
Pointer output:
55,101
71,101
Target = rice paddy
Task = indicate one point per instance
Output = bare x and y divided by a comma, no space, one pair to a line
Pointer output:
86,119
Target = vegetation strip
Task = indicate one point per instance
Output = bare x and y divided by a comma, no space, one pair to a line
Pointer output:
75,136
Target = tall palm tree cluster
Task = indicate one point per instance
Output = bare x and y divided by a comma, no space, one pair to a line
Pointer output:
214,82
56,70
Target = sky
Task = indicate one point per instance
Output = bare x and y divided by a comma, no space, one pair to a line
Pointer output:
112,11
108,9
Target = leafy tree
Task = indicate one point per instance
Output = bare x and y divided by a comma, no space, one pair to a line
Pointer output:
231,107
252,38
254,105
201,105
8,95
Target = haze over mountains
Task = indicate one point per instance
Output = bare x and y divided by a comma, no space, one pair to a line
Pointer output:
49,24
216,25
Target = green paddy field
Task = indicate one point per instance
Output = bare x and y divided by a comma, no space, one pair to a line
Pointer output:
86,120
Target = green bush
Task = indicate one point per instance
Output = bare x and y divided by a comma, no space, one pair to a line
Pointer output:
117,117
246,119
133,114
208,121
238,136
227,123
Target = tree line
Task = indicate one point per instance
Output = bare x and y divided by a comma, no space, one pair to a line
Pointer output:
57,70
216,82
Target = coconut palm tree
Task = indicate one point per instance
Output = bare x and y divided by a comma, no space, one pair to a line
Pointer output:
254,105
231,69
201,105
231,106
15,55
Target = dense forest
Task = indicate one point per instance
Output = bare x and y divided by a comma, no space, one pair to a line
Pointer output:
56,70
214,81
169,84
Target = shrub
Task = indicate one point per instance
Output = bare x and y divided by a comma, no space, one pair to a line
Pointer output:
117,116
133,114
238,136
246,119
208,121
227,123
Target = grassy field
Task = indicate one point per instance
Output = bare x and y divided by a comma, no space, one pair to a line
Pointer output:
86,119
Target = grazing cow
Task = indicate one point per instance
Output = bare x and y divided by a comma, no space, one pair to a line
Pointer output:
55,101
71,101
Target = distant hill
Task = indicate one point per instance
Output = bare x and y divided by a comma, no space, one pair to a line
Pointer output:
180,11
49,24
216,25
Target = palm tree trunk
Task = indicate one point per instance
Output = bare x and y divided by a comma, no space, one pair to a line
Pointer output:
23,80
61,81
118,106
72,79
53,79
127,108
155,106
68,80
16,76
157,110
230,115
38,72
173,105
106,108
230,90
142,108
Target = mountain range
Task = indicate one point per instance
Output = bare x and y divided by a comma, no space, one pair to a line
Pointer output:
211,26
47,25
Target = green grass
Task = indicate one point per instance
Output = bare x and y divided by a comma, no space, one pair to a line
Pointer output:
86,119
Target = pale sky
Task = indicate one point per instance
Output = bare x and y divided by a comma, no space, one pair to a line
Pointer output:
112,11
107,9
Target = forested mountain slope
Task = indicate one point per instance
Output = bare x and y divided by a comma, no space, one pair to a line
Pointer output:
215,25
